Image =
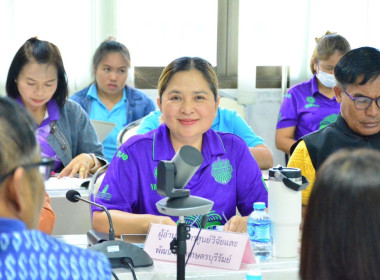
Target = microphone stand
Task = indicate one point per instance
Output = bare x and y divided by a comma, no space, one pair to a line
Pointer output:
118,252
178,246
178,202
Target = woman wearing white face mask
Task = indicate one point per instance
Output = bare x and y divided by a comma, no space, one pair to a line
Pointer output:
311,105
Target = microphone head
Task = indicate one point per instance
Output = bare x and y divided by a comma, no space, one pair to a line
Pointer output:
72,195
187,161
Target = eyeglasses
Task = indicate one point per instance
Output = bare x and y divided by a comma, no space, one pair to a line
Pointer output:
362,102
45,166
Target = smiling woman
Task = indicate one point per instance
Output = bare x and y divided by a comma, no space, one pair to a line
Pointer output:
229,175
189,108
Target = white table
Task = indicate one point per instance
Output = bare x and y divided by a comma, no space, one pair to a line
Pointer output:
278,269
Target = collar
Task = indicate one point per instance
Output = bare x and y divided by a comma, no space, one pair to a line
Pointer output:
314,87
163,149
342,124
52,110
93,93
9,225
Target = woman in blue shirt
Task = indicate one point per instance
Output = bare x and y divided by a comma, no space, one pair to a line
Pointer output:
108,98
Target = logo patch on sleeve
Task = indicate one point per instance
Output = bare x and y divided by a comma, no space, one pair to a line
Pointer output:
104,194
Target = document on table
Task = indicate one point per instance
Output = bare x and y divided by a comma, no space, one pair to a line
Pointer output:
65,183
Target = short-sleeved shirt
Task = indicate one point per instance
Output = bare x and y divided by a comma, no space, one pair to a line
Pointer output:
225,121
229,176
307,109
31,254
117,115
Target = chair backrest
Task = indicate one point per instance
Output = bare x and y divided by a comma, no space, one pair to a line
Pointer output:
96,181
128,131
230,103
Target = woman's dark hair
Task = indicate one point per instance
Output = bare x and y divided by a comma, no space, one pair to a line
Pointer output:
41,52
110,45
340,238
326,46
363,63
187,64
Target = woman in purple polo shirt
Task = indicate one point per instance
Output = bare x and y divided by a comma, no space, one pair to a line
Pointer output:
311,105
229,175
37,80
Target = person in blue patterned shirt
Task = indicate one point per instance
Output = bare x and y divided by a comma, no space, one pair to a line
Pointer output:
26,253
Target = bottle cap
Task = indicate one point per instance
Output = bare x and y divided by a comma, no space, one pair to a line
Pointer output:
259,205
253,275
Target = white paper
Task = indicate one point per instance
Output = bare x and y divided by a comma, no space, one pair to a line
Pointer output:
65,183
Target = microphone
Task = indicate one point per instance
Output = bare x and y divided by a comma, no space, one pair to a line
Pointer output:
74,196
118,252
186,161
173,176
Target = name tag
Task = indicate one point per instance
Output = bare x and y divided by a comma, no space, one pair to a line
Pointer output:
213,248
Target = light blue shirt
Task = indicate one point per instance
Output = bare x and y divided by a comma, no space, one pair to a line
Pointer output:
117,115
226,121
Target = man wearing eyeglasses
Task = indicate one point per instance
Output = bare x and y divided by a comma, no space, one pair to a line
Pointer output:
26,253
357,90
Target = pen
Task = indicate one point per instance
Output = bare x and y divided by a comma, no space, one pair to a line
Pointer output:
225,218
196,219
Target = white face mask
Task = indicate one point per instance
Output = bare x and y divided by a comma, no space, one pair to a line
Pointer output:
328,80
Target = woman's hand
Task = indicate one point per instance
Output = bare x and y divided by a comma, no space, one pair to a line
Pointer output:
80,164
236,224
164,220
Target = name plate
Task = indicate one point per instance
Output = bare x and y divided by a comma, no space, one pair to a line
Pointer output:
213,248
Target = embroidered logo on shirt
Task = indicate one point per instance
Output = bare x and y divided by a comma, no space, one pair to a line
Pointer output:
311,102
213,219
153,186
122,155
222,171
103,194
327,120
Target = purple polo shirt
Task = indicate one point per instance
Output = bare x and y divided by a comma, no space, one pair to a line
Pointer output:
229,176
307,109
43,131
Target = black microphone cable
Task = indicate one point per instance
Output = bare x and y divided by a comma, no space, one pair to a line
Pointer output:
114,275
129,264
203,224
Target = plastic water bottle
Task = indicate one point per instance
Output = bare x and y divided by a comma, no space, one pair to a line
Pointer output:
259,231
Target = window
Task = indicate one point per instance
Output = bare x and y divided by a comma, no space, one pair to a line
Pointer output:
157,32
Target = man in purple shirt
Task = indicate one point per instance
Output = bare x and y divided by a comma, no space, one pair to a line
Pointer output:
229,176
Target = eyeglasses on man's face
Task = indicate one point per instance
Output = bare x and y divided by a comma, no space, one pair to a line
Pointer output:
45,166
362,102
